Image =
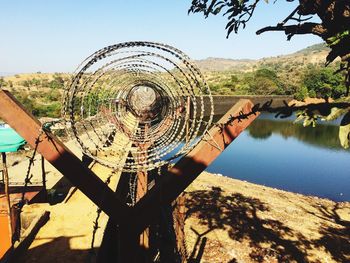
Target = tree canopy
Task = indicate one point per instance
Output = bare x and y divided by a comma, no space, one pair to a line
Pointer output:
334,27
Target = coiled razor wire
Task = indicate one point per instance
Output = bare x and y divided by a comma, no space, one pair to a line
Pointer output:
150,92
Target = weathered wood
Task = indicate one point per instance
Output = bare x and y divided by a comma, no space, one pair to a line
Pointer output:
55,152
188,115
141,191
43,175
186,170
167,189
179,217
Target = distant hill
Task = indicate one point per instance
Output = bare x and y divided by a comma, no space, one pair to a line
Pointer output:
315,54
314,48
224,64
280,75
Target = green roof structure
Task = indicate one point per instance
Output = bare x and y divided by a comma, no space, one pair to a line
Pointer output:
10,141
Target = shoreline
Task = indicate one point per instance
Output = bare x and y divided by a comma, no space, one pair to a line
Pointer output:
278,189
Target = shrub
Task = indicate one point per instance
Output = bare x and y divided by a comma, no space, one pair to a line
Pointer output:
301,93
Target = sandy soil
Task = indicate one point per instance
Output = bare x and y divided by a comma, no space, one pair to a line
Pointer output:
67,236
236,221
227,221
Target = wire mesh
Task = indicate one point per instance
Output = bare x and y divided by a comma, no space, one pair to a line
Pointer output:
150,92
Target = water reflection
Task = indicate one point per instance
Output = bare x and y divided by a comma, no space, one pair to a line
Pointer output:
323,135
288,156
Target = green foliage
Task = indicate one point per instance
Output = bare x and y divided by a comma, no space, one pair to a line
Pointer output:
266,73
32,82
38,109
301,93
307,118
2,82
336,39
324,83
25,83
25,100
54,95
51,110
344,131
57,82
35,82
234,79
223,87
310,118
45,83
332,27
300,81
264,82
292,78
321,135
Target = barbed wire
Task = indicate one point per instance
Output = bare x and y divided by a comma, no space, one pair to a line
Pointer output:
150,92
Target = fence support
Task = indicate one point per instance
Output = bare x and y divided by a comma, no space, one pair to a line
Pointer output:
55,152
171,184
174,181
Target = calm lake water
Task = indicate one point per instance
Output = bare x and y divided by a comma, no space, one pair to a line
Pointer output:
280,154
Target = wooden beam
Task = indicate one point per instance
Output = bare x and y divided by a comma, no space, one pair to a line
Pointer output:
186,170
55,152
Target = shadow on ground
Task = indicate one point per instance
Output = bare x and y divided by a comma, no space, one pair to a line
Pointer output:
335,237
56,250
268,238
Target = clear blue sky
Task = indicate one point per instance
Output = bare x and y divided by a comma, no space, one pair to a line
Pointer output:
56,35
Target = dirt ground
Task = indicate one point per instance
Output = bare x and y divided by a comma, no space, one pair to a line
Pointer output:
234,221
67,236
308,101
227,220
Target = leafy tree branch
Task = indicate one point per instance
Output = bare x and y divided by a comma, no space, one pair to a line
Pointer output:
334,27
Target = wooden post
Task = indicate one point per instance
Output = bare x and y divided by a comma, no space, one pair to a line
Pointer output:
55,152
179,215
175,180
133,247
7,192
187,119
43,178
141,191
142,182
43,173
132,221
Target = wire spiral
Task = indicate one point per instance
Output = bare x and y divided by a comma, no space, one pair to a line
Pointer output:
149,92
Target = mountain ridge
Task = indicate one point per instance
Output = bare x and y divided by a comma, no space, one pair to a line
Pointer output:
314,54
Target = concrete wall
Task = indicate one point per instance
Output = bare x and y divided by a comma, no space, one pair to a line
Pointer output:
224,103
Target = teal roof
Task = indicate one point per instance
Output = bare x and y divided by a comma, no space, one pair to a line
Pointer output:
10,141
